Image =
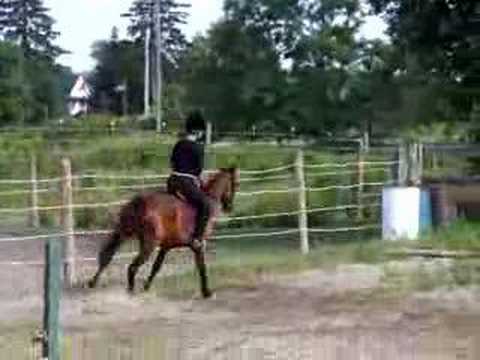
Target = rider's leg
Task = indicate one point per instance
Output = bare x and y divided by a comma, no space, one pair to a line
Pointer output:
203,214
195,196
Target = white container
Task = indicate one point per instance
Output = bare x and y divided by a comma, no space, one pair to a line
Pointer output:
400,213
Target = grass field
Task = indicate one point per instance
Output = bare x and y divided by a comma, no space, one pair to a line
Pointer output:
147,154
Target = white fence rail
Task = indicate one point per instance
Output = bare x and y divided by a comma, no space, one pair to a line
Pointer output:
55,185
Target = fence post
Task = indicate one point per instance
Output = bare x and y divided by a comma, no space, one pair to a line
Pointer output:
34,219
68,222
420,162
434,159
414,161
366,141
360,182
209,134
401,165
52,293
302,204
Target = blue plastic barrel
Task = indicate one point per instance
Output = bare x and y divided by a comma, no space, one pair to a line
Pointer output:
425,211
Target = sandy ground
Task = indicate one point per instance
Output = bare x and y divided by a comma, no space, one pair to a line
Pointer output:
322,314
316,315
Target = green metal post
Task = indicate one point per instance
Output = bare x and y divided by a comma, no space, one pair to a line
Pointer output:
52,293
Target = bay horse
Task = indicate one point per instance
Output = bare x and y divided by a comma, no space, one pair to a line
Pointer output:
161,220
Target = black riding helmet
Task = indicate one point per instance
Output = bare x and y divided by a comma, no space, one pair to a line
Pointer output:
195,122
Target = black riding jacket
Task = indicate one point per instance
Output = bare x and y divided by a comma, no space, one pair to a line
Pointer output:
187,157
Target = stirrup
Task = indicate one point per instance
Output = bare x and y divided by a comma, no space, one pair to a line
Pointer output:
197,243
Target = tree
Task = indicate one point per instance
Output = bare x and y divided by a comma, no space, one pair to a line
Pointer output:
39,83
280,23
245,70
372,91
27,23
34,92
439,45
11,104
172,15
315,42
289,26
119,64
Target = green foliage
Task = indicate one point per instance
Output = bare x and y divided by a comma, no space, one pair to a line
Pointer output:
97,123
439,132
119,63
303,64
247,77
28,22
270,65
438,46
246,53
459,236
141,153
10,84
31,90
278,23
172,15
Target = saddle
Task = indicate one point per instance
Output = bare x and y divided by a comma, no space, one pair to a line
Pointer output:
179,196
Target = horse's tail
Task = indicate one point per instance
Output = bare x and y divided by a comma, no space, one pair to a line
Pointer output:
126,227
110,248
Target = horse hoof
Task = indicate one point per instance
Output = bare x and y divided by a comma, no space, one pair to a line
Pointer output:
91,284
208,294
146,287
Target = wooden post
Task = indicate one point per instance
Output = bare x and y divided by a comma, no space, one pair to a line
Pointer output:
158,52
302,205
52,293
401,166
414,160
420,164
209,133
68,222
146,96
366,141
360,182
34,219
434,159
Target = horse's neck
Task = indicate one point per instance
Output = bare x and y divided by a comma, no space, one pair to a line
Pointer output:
214,188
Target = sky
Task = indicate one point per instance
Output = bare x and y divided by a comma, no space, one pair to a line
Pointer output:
82,22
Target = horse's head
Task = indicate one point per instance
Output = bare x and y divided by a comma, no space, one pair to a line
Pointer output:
233,183
223,185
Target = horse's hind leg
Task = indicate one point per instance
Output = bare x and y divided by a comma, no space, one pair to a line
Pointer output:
105,257
155,268
202,270
139,260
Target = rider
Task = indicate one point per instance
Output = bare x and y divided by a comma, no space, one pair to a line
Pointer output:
187,165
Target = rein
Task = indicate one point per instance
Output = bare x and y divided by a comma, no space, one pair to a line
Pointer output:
190,176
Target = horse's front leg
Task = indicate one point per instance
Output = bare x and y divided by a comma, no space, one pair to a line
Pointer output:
202,270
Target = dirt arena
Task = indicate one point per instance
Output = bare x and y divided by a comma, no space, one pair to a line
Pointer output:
321,314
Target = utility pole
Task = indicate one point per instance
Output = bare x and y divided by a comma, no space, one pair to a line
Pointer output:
158,42
148,36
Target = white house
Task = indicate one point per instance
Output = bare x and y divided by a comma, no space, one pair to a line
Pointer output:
78,101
